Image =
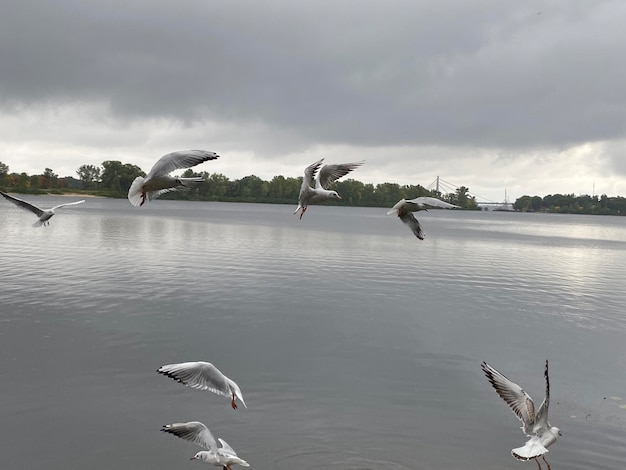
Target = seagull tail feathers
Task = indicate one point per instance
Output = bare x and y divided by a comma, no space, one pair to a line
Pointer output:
531,450
134,193
392,211
39,223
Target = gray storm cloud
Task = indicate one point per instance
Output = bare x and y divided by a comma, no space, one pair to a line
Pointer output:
513,77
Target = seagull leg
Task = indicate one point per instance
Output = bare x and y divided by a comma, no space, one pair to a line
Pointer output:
303,211
537,462
232,403
143,198
544,459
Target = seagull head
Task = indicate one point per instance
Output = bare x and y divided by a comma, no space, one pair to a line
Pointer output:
202,455
334,195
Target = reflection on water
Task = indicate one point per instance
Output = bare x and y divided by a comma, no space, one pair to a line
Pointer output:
356,345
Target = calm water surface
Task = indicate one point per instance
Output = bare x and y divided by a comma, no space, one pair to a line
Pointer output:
356,345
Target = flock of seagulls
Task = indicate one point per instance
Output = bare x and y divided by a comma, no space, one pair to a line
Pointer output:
205,376
314,190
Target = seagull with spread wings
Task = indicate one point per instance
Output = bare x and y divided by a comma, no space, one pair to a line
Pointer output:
204,376
404,209
198,433
44,214
314,189
535,425
158,181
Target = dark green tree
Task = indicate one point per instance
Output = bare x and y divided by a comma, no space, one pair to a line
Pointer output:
89,175
117,177
4,174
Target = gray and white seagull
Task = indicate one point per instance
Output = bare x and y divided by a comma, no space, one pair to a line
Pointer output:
44,214
198,433
535,425
158,181
314,189
404,209
204,376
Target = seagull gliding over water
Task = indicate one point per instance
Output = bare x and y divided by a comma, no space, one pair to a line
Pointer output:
535,425
198,433
204,376
158,180
44,214
404,209
326,176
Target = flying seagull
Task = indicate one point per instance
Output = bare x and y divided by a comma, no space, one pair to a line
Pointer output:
204,376
158,181
198,433
404,209
315,189
43,214
534,425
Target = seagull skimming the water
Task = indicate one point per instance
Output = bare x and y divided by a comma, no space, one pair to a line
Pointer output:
44,214
535,425
158,180
204,376
199,434
404,209
315,189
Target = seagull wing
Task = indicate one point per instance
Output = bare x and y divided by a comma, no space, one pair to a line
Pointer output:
182,159
409,219
226,449
433,202
67,204
397,206
199,375
193,431
541,421
310,172
23,204
519,401
331,173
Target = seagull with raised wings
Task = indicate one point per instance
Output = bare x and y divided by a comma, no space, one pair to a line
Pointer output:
535,425
204,376
198,433
314,189
158,181
404,209
43,214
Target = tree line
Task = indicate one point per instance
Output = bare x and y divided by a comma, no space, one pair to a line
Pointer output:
113,179
572,204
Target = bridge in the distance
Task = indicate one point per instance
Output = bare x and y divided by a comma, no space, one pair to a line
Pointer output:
444,187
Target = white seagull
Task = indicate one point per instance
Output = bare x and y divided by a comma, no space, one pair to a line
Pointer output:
404,209
198,433
43,214
158,181
315,189
204,376
535,425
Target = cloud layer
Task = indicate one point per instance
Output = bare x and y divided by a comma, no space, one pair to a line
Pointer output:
488,94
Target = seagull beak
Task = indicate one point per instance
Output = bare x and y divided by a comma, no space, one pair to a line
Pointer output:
338,196
193,458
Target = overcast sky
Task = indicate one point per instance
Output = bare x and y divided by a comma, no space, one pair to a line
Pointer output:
491,94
